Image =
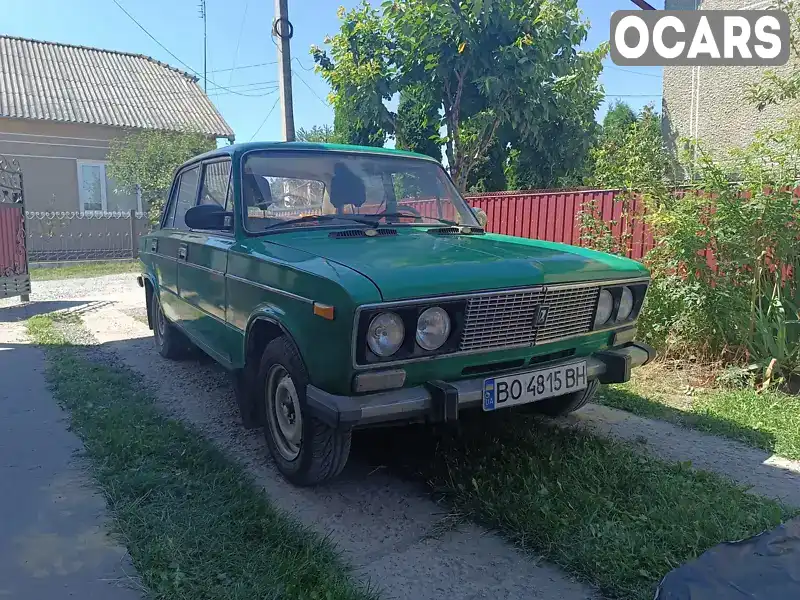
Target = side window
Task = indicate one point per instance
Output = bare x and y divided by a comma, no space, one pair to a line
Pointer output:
216,178
187,196
171,205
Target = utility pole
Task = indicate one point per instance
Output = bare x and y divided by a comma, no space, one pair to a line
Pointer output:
283,29
204,16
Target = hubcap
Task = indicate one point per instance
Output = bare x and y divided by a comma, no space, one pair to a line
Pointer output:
283,413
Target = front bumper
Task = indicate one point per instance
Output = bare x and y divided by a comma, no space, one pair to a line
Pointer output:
439,401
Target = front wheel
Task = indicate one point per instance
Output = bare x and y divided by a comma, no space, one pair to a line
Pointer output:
306,451
563,405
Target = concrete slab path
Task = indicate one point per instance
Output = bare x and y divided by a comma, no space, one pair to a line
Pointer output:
54,542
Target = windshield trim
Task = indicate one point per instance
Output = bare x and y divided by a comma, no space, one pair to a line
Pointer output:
427,159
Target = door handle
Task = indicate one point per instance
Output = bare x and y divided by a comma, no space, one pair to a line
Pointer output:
154,246
183,250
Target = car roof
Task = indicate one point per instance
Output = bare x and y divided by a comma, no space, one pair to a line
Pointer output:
238,149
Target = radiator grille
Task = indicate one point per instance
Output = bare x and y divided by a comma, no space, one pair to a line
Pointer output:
509,318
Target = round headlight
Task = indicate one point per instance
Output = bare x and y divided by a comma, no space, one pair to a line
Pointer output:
433,327
385,334
605,304
625,304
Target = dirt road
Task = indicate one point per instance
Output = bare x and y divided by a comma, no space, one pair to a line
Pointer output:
397,539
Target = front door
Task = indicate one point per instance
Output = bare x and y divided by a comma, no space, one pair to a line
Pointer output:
164,243
202,264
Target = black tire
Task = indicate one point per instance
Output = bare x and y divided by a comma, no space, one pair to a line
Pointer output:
170,342
563,405
321,451
246,398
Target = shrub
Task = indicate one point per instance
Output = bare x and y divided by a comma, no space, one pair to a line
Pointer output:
727,255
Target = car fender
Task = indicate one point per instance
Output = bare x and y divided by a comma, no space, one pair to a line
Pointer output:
273,314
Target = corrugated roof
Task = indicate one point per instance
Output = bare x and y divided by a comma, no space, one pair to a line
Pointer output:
79,84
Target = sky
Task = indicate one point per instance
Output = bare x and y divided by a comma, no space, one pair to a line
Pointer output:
242,56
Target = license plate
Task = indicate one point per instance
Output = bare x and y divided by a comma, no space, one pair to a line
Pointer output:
522,388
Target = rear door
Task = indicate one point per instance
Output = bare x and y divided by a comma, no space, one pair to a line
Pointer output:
164,243
202,264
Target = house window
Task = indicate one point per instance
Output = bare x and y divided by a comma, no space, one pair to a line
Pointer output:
97,192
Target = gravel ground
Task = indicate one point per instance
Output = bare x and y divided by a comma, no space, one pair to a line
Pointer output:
120,288
397,539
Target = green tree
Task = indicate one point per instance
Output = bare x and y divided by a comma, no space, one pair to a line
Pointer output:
147,160
491,65
361,74
632,157
618,119
321,134
417,122
774,88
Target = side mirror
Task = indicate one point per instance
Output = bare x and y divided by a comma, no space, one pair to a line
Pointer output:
481,216
209,216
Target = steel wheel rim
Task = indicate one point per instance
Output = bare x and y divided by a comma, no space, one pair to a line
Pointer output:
161,322
283,413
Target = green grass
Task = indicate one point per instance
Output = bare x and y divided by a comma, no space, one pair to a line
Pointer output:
193,523
609,514
768,420
96,269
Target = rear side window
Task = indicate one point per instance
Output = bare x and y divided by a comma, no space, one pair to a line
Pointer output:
186,198
216,188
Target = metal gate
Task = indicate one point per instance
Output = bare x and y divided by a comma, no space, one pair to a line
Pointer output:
14,277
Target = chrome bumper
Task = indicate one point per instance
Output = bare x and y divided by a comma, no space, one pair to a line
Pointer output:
439,401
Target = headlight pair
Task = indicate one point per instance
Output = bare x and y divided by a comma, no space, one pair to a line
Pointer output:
386,331
606,304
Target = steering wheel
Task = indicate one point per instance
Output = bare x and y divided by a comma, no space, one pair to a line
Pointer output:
400,209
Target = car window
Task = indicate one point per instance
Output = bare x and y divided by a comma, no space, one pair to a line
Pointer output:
270,197
280,187
167,223
187,196
215,189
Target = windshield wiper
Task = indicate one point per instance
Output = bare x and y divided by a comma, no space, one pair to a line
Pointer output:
409,215
323,218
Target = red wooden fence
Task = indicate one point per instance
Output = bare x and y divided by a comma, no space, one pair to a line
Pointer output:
552,215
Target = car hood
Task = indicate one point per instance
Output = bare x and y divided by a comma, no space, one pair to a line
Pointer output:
416,264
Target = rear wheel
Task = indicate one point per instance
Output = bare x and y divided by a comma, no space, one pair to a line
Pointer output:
171,343
305,450
563,405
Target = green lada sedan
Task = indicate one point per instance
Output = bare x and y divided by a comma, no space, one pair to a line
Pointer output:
347,287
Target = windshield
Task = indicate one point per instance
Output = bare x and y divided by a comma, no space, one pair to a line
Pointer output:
283,190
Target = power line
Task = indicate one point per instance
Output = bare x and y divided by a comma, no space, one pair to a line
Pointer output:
265,119
238,41
310,88
631,71
297,60
163,47
272,62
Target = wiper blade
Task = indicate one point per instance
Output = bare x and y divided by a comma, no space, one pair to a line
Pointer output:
322,218
408,215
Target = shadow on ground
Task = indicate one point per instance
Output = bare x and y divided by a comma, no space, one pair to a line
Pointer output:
20,312
645,407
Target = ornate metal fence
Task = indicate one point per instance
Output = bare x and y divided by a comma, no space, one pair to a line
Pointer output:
64,236
14,278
